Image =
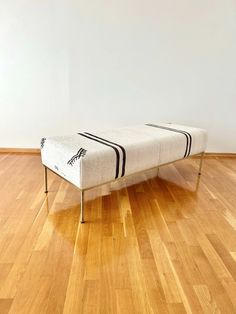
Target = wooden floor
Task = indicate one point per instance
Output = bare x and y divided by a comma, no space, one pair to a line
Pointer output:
157,246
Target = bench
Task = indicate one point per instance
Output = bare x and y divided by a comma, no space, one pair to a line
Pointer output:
88,160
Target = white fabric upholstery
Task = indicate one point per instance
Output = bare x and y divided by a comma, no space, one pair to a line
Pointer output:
88,160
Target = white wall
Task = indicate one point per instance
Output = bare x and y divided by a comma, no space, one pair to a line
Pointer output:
67,65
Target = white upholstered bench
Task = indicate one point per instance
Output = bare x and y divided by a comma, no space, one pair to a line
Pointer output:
91,159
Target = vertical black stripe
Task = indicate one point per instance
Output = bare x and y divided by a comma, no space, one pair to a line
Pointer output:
190,143
121,147
187,135
174,130
115,149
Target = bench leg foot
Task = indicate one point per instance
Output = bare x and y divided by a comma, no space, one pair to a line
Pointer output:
45,179
82,206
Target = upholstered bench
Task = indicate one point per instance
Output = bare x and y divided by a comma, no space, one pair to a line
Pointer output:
91,159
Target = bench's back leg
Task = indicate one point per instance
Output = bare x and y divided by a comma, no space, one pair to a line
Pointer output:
82,206
199,171
46,179
200,165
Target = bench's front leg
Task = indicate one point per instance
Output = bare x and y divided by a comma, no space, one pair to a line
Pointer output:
82,206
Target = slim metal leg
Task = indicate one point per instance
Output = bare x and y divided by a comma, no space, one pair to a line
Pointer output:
200,165
46,179
82,206
199,171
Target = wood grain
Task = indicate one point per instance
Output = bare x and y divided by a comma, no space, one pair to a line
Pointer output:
19,150
150,244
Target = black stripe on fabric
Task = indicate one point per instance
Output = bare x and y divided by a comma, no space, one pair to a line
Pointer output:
121,147
115,149
190,143
187,135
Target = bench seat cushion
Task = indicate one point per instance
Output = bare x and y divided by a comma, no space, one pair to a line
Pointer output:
87,159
